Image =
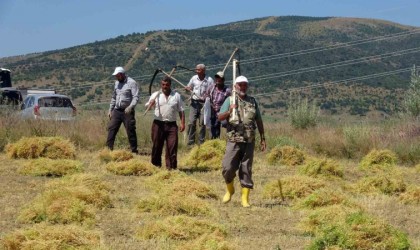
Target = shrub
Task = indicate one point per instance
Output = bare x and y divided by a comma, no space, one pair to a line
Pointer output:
378,159
48,147
107,155
323,167
303,115
49,167
207,156
292,187
45,237
179,227
412,98
286,155
131,167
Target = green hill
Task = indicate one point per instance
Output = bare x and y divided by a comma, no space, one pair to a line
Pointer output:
345,64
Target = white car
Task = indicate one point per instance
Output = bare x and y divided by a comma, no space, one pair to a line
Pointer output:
48,107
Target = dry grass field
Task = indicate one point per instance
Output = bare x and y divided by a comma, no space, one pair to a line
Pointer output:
95,207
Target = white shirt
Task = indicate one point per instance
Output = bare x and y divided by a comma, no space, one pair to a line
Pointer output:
199,87
167,108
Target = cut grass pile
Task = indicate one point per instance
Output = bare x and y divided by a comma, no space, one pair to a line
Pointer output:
107,155
211,241
358,231
50,167
385,183
378,160
292,187
35,147
325,197
175,204
131,167
411,195
207,156
72,199
46,237
179,227
322,167
286,155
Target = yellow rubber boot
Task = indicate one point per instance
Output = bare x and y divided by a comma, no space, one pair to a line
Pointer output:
230,190
245,197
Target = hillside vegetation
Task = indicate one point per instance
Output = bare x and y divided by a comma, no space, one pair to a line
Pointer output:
277,54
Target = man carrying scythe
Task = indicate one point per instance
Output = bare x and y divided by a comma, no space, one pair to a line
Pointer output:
240,139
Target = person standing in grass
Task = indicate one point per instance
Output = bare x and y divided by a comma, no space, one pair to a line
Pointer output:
240,139
121,110
218,94
168,105
199,85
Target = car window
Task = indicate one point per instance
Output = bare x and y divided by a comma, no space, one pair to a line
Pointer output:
29,102
54,101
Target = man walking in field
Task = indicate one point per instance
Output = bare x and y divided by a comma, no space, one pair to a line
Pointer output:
240,139
199,85
168,105
121,110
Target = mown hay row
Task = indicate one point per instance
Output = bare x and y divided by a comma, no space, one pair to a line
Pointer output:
378,160
51,167
107,155
131,167
35,147
46,237
286,155
207,156
322,167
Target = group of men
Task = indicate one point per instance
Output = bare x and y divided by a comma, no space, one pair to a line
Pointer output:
209,98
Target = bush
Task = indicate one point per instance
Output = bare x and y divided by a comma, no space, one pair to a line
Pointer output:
303,115
286,155
412,98
323,167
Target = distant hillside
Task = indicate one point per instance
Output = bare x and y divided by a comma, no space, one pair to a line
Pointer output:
278,54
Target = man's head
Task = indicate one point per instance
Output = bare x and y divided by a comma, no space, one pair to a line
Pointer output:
200,69
165,84
241,84
119,73
219,78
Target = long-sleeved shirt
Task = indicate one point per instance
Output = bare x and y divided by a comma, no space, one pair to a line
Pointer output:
200,88
125,94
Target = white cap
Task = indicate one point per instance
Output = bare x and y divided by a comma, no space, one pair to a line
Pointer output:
241,79
118,70
220,74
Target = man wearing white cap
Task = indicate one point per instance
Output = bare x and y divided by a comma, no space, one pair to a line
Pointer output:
240,139
218,94
121,110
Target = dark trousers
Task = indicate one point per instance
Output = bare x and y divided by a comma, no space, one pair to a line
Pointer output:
129,121
165,132
239,156
196,114
215,125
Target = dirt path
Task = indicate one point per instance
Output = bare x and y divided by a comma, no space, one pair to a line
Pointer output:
141,47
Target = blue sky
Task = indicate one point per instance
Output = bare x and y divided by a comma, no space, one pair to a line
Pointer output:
29,26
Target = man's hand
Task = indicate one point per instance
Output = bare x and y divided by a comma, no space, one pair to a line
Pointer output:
182,127
128,110
263,145
109,114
